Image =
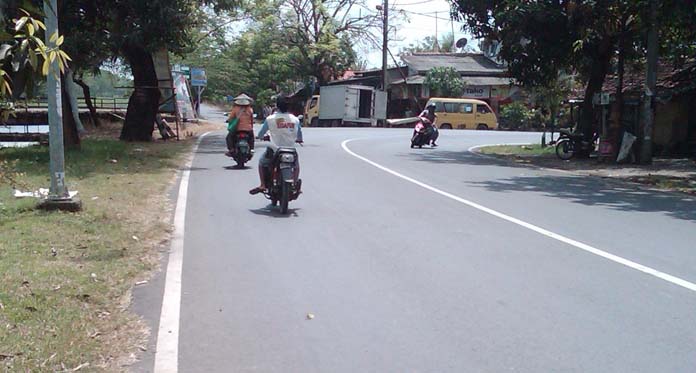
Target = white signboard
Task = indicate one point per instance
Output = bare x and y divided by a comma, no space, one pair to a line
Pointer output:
477,92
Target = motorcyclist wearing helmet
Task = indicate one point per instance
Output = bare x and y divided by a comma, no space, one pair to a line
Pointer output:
429,119
285,131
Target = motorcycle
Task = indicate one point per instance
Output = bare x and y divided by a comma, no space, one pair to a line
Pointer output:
569,143
242,152
284,184
422,135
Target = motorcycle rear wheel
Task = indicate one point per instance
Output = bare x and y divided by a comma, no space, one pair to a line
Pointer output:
285,197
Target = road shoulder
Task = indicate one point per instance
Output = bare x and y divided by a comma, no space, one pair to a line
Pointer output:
669,175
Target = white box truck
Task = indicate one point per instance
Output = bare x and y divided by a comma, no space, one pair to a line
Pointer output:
351,106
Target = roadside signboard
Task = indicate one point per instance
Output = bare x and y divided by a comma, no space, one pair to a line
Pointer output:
198,78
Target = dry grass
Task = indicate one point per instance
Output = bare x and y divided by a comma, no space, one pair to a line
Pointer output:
65,279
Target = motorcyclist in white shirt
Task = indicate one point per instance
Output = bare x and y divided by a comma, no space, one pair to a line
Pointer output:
285,130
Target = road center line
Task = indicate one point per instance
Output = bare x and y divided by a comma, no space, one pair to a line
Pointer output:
582,246
167,353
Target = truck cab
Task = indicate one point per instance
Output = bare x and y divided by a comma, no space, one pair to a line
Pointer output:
311,112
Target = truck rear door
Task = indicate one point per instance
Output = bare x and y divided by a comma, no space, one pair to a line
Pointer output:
380,107
352,103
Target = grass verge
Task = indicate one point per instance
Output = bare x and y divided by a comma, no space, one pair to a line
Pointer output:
521,150
65,278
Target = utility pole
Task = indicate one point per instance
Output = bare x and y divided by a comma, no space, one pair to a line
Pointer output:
58,196
650,88
385,44
437,42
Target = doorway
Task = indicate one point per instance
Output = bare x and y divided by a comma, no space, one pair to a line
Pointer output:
365,110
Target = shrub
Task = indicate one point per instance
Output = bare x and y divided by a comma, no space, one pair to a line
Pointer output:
515,116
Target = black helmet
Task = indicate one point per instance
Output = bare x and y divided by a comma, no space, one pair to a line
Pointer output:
431,105
282,103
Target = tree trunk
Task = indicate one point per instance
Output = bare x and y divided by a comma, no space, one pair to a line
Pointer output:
88,100
143,104
619,128
71,137
598,73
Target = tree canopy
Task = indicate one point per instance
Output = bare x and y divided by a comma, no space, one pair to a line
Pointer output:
444,82
542,38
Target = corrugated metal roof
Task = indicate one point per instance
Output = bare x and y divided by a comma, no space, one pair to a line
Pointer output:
486,80
470,63
415,79
468,80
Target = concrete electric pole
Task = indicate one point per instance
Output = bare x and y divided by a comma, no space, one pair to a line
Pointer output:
650,88
385,44
58,197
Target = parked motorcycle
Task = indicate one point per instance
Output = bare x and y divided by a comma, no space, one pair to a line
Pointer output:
570,143
242,149
422,135
284,184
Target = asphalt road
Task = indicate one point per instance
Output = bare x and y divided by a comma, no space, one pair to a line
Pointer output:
401,278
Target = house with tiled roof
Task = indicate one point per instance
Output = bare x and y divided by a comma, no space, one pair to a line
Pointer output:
483,78
674,130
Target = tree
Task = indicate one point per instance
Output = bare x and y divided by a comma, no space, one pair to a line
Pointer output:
425,45
447,43
321,35
135,30
444,82
256,62
550,96
589,37
23,54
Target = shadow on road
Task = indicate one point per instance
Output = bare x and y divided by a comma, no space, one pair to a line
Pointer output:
458,157
237,168
593,191
273,212
586,190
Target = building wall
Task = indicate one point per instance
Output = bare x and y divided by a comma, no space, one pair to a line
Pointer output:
672,124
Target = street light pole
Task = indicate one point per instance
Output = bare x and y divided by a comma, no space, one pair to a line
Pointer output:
385,44
58,197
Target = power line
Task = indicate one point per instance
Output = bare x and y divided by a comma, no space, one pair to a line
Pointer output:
427,14
417,3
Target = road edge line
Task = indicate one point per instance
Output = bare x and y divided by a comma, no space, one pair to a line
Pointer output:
167,349
569,241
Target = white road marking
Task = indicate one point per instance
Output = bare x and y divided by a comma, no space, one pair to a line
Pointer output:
582,246
167,353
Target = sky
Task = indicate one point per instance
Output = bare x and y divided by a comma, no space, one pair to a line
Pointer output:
420,22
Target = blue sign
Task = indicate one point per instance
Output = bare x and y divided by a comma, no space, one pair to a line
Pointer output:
198,78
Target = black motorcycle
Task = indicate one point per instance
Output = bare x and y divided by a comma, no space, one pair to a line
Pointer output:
241,152
284,184
570,143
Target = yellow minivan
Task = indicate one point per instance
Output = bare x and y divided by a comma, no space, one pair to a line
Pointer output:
311,112
463,113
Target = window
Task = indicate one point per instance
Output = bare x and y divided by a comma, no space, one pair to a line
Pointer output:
439,106
313,103
482,109
451,107
467,108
